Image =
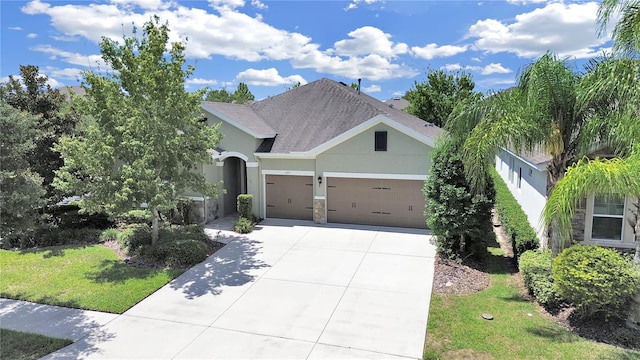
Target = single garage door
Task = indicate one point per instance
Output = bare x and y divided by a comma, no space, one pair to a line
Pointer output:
376,202
289,197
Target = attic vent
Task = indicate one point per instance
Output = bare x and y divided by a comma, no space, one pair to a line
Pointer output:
391,105
343,84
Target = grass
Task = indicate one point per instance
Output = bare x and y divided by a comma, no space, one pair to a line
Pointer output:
88,277
18,345
457,331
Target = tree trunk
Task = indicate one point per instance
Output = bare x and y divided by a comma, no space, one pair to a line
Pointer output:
555,172
636,258
155,229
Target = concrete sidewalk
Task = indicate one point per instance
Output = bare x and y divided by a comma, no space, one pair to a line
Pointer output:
289,290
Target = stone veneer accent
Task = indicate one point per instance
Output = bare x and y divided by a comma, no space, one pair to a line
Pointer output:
198,215
319,211
578,220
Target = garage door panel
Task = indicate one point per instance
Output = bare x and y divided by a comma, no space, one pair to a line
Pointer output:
289,197
385,202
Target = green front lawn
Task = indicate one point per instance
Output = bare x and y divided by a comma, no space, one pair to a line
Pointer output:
87,277
16,345
518,331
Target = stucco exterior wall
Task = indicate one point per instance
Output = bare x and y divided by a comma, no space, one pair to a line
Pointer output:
531,192
234,139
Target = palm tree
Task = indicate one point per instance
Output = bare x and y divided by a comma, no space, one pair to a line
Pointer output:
615,82
553,108
626,30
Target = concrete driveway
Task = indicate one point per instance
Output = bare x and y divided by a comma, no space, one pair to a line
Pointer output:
289,290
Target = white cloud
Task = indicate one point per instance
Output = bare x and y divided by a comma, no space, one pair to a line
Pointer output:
566,29
525,2
66,73
493,68
201,81
489,83
50,81
16,28
32,36
354,3
369,40
258,4
267,77
69,57
225,31
398,93
432,50
372,89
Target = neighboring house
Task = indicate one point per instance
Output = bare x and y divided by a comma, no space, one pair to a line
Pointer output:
323,152
598,220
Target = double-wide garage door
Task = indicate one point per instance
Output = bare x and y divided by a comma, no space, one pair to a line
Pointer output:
376,202
289,197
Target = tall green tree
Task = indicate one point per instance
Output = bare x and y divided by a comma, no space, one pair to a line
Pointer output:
30,92
458,218
615,82
434,99
242,95
21,191
626,30
146,144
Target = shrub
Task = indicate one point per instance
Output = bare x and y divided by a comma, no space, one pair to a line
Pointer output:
109,235
134,236
523,236
178,253
535,268
245,202
596,280
456,216
135,217
243,226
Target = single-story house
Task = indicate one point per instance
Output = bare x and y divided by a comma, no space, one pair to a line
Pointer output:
598,220
324,152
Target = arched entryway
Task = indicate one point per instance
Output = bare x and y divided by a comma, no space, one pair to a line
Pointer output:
235,182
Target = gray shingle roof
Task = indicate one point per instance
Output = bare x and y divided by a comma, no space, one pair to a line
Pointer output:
312,114
243,116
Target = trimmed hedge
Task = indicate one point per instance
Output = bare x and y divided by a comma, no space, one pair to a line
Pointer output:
523,236
245,203
178,253
535,268
596,280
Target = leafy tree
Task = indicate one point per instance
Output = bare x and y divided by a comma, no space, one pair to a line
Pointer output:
30,92
146,144
295,85
457,217
626,31
21,190
434,99
242,95
221,95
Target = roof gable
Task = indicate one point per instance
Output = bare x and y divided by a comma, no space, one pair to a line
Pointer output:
317,116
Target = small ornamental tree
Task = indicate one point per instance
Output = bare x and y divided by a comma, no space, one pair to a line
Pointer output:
145,143
456,216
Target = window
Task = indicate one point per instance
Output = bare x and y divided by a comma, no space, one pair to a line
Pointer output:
608,217
381,141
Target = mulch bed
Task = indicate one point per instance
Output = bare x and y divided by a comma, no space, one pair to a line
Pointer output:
451,278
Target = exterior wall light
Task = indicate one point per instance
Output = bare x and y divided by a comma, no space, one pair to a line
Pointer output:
319,180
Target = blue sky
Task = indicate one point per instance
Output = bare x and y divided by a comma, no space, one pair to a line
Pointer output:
272,44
